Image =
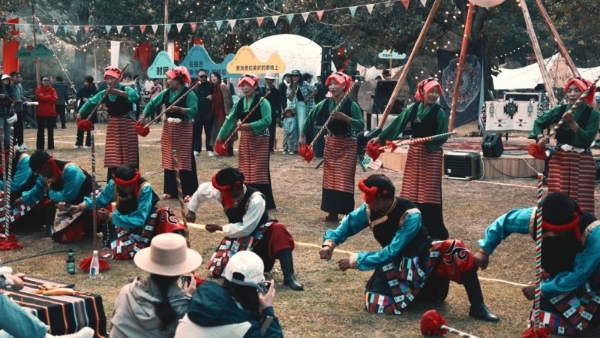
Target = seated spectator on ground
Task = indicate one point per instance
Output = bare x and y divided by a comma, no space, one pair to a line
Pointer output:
151,307
241,307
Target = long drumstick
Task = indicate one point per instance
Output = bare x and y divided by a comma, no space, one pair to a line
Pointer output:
112,85
172,104
417,140
224,146
538,251
4,177
180,194
330,118
94,187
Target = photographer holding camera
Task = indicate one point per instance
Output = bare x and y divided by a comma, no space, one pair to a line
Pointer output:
241,307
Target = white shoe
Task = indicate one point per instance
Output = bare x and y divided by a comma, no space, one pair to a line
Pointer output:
196,153
77,147
86,332
23,147
211,154
86,147
284,152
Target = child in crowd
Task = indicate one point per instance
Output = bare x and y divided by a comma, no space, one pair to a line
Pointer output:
289,124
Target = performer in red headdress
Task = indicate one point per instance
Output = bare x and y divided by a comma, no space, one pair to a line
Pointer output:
339,158
249,228
254,152
571,169
177,132
121,137
135,219
408,259
422,181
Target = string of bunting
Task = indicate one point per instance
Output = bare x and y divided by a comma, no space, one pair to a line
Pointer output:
219,23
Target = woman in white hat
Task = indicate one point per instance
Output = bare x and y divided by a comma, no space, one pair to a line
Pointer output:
241,307
152,307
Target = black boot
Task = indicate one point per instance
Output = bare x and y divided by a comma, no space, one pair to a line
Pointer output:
478,308
287,267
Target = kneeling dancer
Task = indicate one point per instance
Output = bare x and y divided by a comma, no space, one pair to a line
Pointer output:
134,219
409,258
570,285
249,225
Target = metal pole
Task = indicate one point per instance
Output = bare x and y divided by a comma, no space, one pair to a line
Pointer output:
37,63
166,35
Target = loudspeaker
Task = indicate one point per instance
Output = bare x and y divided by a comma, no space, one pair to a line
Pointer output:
491,145
383,92
462,166
325,62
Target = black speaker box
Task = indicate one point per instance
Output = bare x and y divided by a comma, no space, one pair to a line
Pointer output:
491,145
383,92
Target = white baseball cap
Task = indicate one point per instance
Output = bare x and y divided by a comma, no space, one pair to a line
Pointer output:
4,77
245,268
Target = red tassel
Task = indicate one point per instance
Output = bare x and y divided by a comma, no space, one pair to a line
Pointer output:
219,149
537,151
373,150
9,243
85,125
533,333
431,322
307,153
199,281
391,145
142,129
86,262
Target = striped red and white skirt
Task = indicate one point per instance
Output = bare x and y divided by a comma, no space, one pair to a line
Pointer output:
573,174
177,136
254,157
339,163
121,142
422,182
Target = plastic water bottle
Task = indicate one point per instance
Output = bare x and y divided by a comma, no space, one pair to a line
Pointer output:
70,263
95,265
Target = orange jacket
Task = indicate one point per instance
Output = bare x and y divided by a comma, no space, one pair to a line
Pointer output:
46,96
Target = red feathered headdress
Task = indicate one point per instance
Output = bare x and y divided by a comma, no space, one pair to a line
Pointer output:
225,190
426,86
180,72
341,79
582,84
134,181
250,79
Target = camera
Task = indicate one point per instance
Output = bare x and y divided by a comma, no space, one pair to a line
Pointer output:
185,281
265,286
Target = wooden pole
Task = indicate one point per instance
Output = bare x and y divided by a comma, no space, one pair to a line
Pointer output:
95,62
166,36
561,45
409,62
461,65
37,62
538,53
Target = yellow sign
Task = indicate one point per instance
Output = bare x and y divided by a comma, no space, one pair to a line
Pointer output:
245,61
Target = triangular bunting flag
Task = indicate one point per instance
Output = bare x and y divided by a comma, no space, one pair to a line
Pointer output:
232,23
55,27
119,29
406,3
154,28
370,8
352,10
179,25
86,29
247,21
219,23
193,25
108,29
275,18
45,27
289,17
305,16
260,20
168,27
142,28
66,29
424,3
16,27
320,14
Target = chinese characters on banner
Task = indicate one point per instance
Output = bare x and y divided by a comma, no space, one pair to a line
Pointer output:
161,65
245,61
198,58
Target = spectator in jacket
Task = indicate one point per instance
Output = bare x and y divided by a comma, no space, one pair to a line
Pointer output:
18,106
241,307
62,93
152,307
46,113
88,90
204,119
7,98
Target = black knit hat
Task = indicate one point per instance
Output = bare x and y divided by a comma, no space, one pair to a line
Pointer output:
229,176
558,208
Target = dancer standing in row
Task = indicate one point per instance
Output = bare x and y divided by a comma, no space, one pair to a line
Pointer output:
121,137
254,151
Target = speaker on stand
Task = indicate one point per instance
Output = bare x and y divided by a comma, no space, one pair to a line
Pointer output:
491,144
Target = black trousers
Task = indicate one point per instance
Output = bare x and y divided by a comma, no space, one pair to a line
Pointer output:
272,129
18,129
60,111
88,138
48,123
198,126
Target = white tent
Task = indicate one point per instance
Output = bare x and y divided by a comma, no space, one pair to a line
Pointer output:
296,51
529,77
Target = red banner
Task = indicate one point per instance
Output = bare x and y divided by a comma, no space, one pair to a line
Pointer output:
9,48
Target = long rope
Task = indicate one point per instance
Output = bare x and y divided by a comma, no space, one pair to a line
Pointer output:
8,182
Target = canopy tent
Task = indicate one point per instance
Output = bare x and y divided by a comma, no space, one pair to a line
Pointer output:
529,77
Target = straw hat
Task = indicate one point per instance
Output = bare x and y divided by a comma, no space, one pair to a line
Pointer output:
168,255
245,267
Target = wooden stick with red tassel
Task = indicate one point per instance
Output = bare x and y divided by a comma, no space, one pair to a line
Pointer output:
373,150
433,324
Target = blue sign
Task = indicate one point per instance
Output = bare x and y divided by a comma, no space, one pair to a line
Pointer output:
161,65
198,58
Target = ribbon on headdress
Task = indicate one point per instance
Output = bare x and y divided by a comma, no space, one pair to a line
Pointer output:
371,193
582,84
113,71
180,72
572,225
341,79
225,190
52,164
249,79
134,181
426,86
